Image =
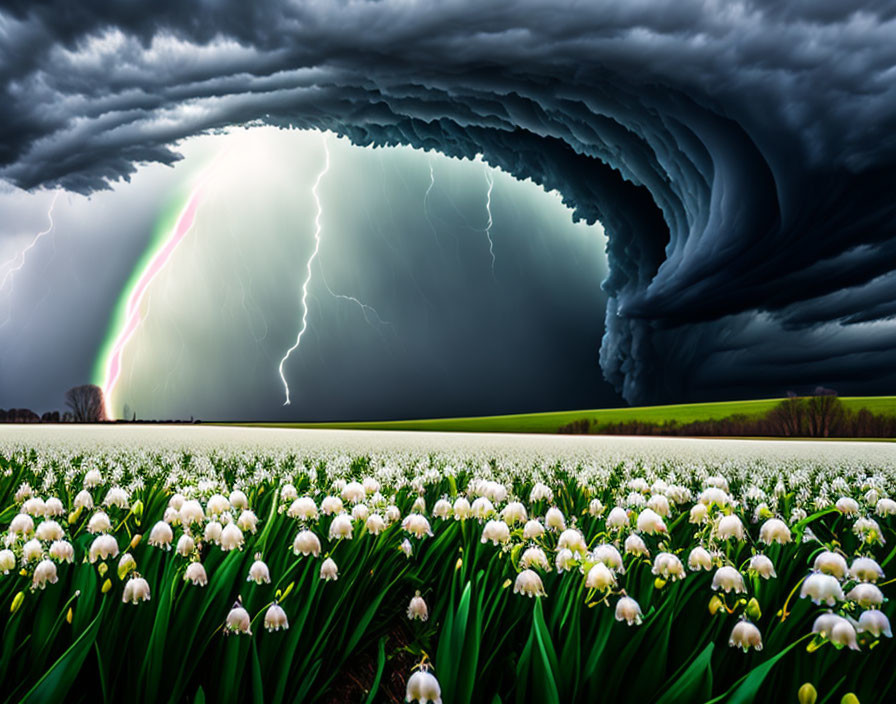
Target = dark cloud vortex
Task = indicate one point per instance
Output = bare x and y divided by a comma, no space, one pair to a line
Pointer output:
741,155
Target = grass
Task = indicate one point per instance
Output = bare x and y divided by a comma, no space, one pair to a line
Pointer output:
550,422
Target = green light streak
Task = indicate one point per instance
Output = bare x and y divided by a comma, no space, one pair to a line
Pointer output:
161,230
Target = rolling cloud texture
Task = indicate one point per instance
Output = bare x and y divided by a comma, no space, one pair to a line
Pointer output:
741,155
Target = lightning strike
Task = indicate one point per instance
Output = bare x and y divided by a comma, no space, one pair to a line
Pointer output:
18,261
365,308
488,208
308,264
432,183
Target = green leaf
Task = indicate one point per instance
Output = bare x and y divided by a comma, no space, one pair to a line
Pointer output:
695,683
380,666
55,683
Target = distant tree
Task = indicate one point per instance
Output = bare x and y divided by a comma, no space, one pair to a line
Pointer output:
22,415
68,417
87,403
50,417
824,414
788,417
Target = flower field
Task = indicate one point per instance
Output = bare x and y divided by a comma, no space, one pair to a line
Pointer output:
229,565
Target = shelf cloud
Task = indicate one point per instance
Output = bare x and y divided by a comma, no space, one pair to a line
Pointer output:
740,155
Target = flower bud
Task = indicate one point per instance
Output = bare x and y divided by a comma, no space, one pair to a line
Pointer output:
275,618
7,561
306,543
554,519
423,688
628,610
135,590
161,536
874,622
600,577
103,547
247,521
762,565
99,523
822,588
699,558
341,527
807,694
196,574
231,537
328,570
831,563
650,522
573,540
238,621
304,508
125,565
529,584
534,557
753,610
416,525
259,572
774,530
745,635
417,609
533,529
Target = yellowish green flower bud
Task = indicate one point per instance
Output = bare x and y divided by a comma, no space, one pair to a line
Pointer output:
753,610
807,694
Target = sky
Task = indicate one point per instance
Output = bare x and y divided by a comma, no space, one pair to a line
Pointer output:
739,156
408,314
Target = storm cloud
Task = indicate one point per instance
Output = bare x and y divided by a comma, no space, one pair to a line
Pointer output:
740,155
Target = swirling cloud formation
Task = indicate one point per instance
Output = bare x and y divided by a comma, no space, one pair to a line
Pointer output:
740,154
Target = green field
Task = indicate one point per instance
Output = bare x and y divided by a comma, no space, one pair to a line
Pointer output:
550,422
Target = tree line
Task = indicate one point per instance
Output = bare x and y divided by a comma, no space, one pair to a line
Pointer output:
86,404
823,415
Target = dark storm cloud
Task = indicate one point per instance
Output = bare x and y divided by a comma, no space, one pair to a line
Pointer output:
741,155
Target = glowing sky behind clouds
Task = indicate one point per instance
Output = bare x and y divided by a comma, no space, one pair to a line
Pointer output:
403,232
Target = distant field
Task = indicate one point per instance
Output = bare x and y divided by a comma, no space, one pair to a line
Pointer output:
550,422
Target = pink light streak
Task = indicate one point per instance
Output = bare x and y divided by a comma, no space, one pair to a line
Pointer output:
132,311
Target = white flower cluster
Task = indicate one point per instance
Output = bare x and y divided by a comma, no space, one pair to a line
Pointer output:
597,516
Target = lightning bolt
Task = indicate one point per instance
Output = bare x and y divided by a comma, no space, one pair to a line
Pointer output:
18,261
488,209
432,183
365,308
318,231
308,264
